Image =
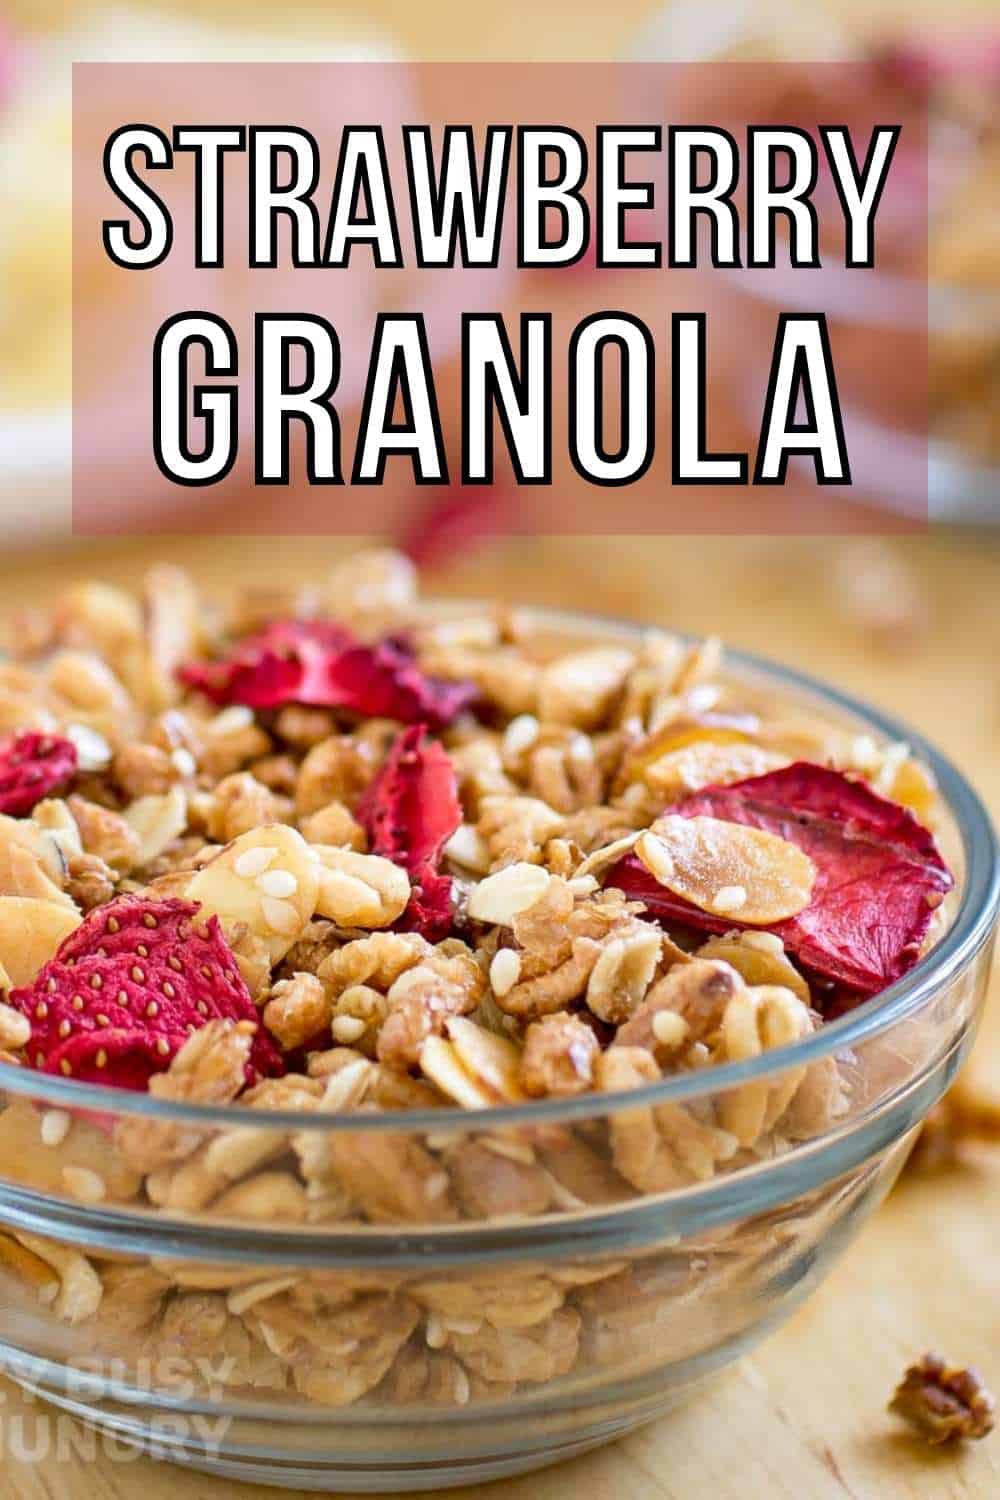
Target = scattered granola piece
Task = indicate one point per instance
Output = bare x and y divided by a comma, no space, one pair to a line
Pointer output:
944,1402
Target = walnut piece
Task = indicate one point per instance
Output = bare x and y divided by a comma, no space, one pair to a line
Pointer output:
944,1402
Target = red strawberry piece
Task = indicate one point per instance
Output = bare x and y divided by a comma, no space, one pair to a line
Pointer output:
879,874
430,910
322,665
131,983
453,521
409,812
123,1059
31,766
411,808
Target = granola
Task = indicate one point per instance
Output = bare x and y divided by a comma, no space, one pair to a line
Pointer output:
944,1402
411,913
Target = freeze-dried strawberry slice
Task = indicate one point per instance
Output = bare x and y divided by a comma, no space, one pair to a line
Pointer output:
31,766
411,808
142,975
430,910
122,1059
409,812
879,874
321,664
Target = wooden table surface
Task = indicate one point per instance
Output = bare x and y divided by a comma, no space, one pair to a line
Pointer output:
803,1416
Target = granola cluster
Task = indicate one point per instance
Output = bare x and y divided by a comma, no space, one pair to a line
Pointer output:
944,1402
339,853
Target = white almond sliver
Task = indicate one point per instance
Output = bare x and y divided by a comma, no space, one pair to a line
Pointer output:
760,877
440,1063
157,821
505,971
503,896
493,1061
468,848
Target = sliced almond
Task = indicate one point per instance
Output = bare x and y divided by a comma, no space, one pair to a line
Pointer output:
22,874
30,932
503,896
29,1268
80,1288
492,1060
474,1067
157,821
701,858
709,763
757,964
581,687
610,854
236,898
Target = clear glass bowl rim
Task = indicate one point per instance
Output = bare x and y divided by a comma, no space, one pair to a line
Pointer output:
969,931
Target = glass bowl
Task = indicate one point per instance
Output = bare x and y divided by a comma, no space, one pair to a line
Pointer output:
296,1299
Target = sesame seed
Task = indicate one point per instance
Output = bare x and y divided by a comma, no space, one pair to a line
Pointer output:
102,1019
148,920
114,925
55,1127
279,916
96,982
138,975
277,883
152,1009
253,862
168,989
64,1028
142,950
175,963
77,1002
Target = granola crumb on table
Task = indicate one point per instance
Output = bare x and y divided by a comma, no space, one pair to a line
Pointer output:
944,1402
339,854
